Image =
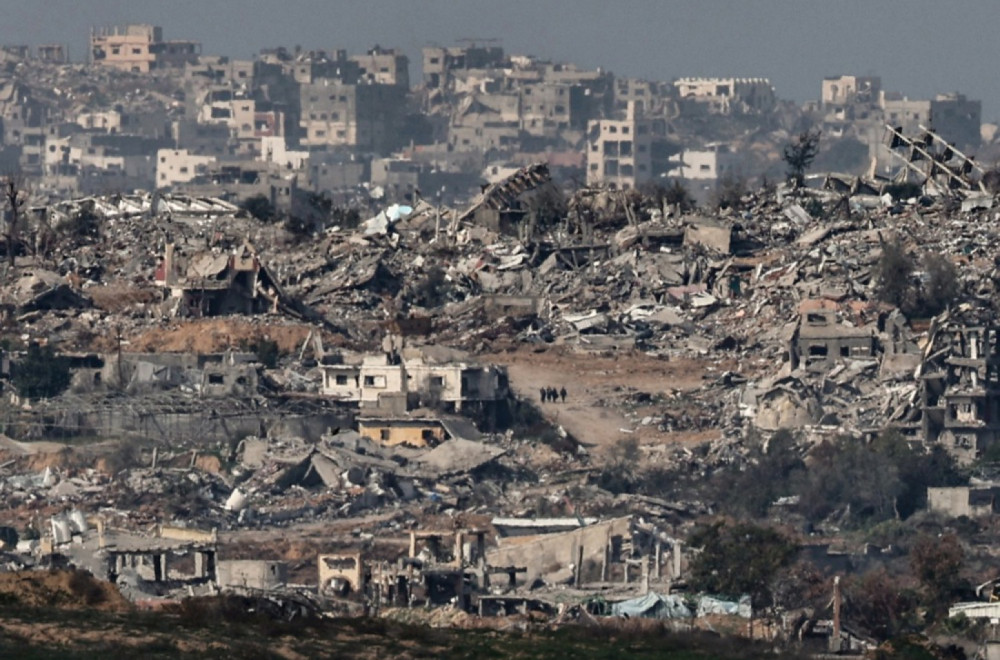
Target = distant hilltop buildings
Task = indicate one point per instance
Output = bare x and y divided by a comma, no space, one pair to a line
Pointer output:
290,124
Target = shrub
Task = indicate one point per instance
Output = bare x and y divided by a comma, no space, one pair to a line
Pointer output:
942,285
260,207
729,192
83,585
267,352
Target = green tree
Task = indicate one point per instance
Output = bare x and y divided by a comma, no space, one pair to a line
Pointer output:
849,476
729,192
433,290
799,155
267,352
673,194
936,562
620,469
767,476
15,194
546,207
739,558
260,207
878,603
918,469
41,374
346,217
893,273
677,194
942,287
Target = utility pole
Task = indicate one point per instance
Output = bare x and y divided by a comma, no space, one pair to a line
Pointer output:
118,338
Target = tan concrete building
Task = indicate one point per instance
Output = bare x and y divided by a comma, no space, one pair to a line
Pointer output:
385,67
252,574
619,151
139,48
53,53
708,164
109,121
365,116
380,382
953,116
970,501
725,95
342,573
846,90
441,62
410,431
175,166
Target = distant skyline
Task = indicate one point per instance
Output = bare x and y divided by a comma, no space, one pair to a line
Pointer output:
918,47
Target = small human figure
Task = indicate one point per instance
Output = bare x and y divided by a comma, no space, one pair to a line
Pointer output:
543,394
553,395
562,393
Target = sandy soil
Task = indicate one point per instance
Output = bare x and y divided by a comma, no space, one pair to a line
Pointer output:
597,386
220,334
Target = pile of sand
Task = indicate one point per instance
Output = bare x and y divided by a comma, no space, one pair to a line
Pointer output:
69,589
218,335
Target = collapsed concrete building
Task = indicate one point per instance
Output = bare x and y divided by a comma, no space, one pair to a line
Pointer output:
959,380
456,567
220,283
820,341
621,549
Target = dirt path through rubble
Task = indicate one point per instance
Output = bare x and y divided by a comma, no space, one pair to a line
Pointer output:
597,385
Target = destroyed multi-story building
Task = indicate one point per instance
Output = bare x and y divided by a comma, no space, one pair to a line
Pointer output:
139,49
384,67
392,382
959,380
820,341
219,283
624,153
440,62
707,164
955,117
727,95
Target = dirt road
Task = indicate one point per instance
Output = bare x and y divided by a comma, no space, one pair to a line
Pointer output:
597,387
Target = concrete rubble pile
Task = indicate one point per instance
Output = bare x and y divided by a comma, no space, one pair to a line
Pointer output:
621,272
778,308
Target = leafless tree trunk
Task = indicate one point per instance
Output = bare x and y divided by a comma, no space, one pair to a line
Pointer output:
16,196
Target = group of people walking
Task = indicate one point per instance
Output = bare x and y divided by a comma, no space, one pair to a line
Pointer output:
551,394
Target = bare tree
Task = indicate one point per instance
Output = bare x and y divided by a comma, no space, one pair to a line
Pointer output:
799,155
15,195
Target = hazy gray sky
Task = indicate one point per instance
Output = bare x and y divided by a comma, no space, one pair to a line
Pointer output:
919,47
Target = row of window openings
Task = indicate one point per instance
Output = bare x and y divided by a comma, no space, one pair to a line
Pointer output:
559,109
613,168
623,148
379,381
